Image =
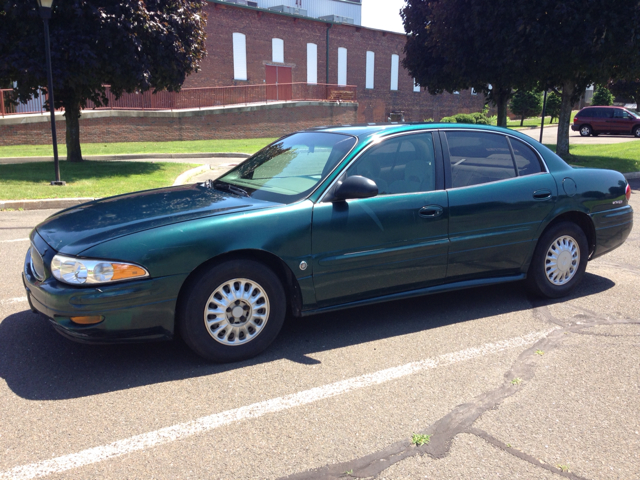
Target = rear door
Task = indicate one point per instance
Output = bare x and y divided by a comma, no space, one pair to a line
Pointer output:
499,192
393,242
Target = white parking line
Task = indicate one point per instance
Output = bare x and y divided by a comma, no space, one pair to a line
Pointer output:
206,424
15,240
8,301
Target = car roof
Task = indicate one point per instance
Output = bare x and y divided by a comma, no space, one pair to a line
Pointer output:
365,130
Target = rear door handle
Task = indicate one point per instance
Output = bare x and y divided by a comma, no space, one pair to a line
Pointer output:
431,211
542,194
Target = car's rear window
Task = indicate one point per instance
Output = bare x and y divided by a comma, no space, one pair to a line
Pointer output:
290,169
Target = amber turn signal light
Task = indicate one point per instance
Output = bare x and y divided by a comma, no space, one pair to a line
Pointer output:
90,320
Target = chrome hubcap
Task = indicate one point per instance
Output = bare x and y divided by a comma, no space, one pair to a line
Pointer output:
562,260
236,312
585,131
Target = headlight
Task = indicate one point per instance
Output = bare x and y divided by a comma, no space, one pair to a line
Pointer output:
81,271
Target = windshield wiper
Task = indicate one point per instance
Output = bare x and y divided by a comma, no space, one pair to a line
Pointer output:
231,188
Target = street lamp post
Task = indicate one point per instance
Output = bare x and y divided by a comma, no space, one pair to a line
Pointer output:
45,14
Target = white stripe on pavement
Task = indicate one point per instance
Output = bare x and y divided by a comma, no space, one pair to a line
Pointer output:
206,424
15,240
13,300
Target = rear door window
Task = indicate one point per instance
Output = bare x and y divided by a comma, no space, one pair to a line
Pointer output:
479,157
527,161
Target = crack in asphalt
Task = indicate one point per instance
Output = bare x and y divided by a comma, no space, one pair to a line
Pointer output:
522,455
462,417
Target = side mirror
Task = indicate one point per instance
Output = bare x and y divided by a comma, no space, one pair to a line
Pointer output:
356,186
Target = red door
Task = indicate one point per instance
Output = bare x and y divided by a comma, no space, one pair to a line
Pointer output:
277,76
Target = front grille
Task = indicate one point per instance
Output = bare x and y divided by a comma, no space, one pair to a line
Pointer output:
37,264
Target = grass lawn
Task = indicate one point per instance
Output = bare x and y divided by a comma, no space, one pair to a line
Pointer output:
86,179
623,157
249,145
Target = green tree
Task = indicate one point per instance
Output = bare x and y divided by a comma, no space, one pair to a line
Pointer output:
554,103
459,44
627,90
526,103
602,96
579,43
133,46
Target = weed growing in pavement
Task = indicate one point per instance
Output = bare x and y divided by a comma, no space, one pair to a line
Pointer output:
516,381
419,439
348,472
564,468
509,445
539,352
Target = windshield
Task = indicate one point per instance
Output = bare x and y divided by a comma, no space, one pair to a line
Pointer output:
634,115
288,170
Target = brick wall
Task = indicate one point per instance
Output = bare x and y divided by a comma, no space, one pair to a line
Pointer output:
374,105
253,122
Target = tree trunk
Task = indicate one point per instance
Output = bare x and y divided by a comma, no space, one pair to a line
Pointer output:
72,116
521,120
501,99
564,119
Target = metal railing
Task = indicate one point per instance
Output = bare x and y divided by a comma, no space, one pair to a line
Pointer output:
199,98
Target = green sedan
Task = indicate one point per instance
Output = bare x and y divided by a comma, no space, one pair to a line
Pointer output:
320,220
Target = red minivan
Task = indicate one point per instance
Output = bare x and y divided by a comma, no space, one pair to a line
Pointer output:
616,120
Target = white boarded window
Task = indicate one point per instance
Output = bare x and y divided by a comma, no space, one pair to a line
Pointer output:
416,86
277,50
239,56
312,63
342,66
371,62
395,61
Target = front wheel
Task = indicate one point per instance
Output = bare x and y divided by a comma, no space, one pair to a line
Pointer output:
559,261
585,130
636,132
233,311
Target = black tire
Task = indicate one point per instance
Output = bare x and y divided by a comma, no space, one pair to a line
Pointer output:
636,132
538,281
585,130
217,343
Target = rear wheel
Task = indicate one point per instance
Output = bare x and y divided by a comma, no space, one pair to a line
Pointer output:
233,311
559,261
585,130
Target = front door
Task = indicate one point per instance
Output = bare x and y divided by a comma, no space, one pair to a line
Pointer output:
499,195
279,80
393,242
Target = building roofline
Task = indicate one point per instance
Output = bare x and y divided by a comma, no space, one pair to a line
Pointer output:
302,17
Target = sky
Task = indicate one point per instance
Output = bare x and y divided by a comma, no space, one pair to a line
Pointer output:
382,14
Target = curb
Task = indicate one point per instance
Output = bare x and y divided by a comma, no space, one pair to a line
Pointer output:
185,176
60,203
139,156
44,204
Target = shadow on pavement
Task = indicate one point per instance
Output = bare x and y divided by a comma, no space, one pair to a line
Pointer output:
39,364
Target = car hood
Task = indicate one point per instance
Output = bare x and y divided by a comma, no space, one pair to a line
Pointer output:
75,229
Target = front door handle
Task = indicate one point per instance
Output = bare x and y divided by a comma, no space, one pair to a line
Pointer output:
431,211
542,194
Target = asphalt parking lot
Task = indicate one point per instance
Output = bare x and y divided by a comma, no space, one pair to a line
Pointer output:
505,385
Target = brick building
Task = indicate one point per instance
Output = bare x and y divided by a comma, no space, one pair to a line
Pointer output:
250,45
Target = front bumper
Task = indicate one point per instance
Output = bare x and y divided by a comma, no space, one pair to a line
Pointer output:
142,310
